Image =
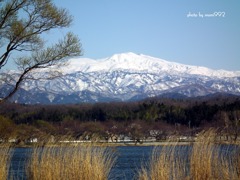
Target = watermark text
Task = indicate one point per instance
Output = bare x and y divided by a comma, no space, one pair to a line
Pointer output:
219,14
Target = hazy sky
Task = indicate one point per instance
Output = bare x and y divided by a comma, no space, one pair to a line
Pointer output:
176,30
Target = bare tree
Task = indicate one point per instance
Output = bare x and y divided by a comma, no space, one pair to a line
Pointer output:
22,24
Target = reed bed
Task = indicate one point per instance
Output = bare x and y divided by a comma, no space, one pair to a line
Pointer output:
5,160
166,163
204,160
61,162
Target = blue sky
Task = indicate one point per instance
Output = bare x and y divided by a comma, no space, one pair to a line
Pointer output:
158,28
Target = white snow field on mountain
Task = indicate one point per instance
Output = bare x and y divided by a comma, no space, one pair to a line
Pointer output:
124,77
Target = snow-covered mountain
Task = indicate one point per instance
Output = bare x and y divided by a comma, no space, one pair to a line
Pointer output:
126,76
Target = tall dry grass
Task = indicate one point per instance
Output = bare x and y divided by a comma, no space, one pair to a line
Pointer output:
63,161
205,160
204,156
5,160
166,163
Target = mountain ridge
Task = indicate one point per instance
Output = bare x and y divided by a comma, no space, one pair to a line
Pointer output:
144,62
124,77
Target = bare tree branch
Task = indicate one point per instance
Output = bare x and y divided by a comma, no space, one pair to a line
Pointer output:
22,22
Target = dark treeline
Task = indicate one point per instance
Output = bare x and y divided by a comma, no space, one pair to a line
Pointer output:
219,111
172,111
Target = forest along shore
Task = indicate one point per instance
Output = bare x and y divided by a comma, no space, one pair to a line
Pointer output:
153,119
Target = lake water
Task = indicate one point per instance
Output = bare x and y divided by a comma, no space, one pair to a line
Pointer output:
129,161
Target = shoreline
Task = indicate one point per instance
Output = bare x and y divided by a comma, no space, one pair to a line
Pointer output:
119,144
162,143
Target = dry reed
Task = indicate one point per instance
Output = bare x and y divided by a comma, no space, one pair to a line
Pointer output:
63,161
205,160
203,156
166,163
5,160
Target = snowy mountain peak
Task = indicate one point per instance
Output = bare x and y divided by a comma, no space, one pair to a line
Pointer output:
141,63
130,62
124,56
124,77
